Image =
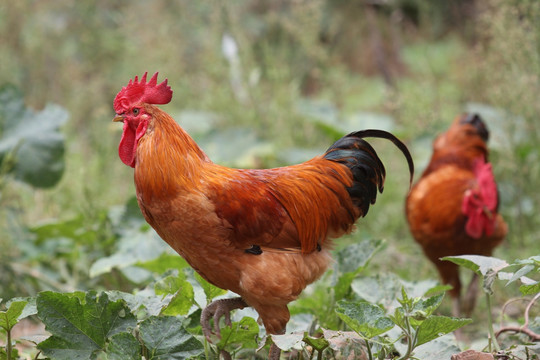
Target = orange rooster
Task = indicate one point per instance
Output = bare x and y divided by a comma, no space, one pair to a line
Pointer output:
263,234
453,208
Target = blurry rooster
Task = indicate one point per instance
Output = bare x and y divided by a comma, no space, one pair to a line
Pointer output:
452,209
263,234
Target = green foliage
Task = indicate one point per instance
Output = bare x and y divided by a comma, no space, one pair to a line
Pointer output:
414,317
241,335
490,268
183,297
31,145
88,325
10,317
364,318
303,75
165,338
81,324
210,290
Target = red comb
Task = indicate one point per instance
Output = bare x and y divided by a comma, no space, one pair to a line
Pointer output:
142,92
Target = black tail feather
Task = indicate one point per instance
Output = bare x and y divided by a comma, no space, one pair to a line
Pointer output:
367,169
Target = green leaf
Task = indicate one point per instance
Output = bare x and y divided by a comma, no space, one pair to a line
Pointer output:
165,338
134,247
341,288
33,138
141,302
235,147
288,342
80,328
479,264
183,297
123,346
441,348
486,266
355,257
352,260
210,290
318,344
399,317
530,289
521,272
164,262
437,326
429,305
14,353
364,318
380,289
181,302
10,317
348,342
244,332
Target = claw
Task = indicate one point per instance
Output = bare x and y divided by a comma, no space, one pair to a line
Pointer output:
216,310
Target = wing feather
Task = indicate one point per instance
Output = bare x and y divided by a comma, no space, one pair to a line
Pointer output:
293,208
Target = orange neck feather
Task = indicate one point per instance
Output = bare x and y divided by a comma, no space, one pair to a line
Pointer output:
168,159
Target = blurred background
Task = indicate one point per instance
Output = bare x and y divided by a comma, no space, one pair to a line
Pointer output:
257,84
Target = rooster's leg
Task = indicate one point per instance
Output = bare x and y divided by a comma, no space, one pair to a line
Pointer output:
274,353
469,300
216,310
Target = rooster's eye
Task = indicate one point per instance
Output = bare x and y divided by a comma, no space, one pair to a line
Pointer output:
136,111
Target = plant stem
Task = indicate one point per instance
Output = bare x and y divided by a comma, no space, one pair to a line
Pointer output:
490,324
368,347
8,345
410,340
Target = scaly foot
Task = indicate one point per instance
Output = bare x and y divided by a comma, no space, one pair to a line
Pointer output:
215,310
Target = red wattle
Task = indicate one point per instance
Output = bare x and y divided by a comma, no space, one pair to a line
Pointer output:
126,149
128,143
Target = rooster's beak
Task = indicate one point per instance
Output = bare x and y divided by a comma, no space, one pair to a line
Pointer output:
118,118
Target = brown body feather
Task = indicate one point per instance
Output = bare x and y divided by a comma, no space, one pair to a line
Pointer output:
434,205
212,215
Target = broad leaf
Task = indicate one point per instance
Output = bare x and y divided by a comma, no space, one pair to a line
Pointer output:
441,348
318,344
437,326
482,265
364,318
530,289
10,317
288,342
338,340
428,305
142,304
33,138
236,147
80,328
244,332
352,260
164,262
123,346
29,309
380,289
165,338
520,273
134,247
486,266
355,257
210,290
182,291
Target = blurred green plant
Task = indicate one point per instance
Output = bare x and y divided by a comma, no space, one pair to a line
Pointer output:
31,144
491,269
302,74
